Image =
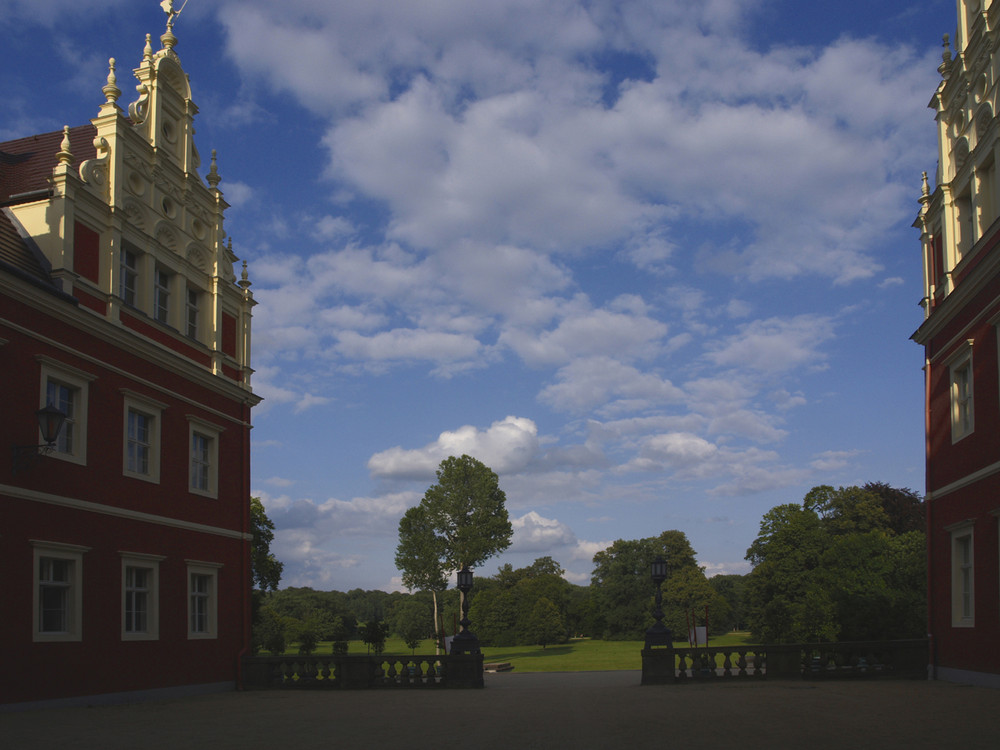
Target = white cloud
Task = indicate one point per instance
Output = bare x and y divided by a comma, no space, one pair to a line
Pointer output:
833,460
506,446
775,344
534,533
593,381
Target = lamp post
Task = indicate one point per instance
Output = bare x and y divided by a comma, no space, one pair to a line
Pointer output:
50,423
465,642
658,634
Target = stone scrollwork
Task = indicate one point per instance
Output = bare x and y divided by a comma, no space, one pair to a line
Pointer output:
95,171
139,109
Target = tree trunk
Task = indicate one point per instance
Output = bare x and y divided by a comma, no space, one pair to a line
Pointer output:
438,634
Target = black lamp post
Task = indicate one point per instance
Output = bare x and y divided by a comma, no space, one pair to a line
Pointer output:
658,634
465,642
50,423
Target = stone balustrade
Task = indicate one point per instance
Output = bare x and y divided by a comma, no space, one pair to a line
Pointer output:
354,672
899,659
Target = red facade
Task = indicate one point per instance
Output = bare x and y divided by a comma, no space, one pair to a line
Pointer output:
125,544
960,233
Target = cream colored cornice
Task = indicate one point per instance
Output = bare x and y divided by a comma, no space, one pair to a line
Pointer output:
952,304
110,510
124,338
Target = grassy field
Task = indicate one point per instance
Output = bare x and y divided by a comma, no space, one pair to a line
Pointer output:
579,655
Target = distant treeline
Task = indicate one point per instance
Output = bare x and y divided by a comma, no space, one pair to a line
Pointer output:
845,564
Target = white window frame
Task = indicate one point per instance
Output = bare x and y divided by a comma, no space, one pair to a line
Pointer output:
79,381
135,402
72,554
129,273
162,293
961,392
210,571
963,574
212,433
192,307
152,564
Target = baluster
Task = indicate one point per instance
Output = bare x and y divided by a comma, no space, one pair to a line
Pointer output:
276,675
404,673
758,659
681,665
741,662
727,665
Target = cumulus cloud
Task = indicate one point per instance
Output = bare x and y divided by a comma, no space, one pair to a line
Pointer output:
775,344
593,381
506,446
534,533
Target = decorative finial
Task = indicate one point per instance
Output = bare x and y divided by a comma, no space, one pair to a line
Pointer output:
65,156
168,39
925,188
213,178
244,277
168,8
111,90
147,52
945,65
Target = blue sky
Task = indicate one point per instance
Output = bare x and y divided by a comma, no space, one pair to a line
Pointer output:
651,261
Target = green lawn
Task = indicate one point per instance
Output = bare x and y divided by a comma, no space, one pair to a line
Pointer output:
579,655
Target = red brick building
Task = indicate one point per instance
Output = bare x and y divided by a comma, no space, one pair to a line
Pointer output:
124,547
960,234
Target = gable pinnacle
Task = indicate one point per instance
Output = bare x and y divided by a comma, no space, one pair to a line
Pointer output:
65,156
111,90
168,39
244,277
945,67
213,178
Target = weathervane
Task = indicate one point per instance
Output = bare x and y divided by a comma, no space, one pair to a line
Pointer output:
168,8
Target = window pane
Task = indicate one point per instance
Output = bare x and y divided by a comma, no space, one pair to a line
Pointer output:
199,602
63,397
162,294
138,442
192,313
53,594
200,461
137,599
129,266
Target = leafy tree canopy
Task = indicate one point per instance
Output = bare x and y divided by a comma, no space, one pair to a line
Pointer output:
621,585
265,569
846,564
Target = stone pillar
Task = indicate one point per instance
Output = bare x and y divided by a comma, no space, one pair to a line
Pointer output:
658,666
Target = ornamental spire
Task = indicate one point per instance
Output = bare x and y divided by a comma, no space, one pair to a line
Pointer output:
213,178
168,39
111,90
945,67
65,156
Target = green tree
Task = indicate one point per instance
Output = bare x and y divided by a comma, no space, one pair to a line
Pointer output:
265,572
461,521
621,583
373,635
688,591
835,567
420,557
545,624
265,568
904,507
731,587
414,622
269,631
